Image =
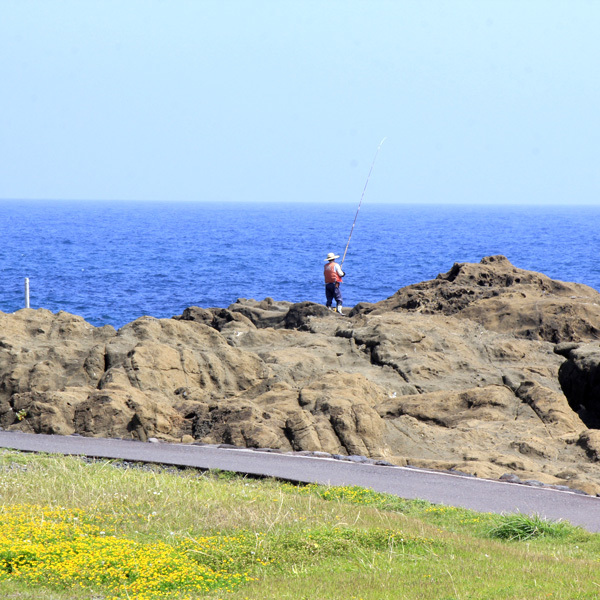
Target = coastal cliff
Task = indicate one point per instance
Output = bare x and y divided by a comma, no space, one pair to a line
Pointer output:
488,369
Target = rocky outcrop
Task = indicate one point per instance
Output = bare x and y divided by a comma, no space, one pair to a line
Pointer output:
503,298
487,369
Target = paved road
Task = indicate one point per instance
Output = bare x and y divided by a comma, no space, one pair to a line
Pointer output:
440,488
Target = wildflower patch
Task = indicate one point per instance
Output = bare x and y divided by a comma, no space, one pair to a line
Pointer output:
64,548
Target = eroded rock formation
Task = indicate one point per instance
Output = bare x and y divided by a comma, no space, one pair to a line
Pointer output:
463,372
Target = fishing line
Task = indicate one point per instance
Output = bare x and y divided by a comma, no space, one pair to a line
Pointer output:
361,199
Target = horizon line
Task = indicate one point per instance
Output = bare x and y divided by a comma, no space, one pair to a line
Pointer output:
566,203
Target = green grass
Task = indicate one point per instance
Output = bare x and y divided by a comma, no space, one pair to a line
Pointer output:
75,529
520,527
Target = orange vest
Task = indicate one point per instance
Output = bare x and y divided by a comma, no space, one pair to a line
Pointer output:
330,275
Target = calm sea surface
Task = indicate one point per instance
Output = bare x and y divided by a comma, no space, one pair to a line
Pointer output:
114,262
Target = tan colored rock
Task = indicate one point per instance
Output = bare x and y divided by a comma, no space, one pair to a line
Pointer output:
589,440
348,402
130,414
450,409
586,485
535,448
335,415
506,299
45,412
456,373
106,415
552,408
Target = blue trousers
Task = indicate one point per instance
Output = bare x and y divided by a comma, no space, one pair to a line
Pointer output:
332,290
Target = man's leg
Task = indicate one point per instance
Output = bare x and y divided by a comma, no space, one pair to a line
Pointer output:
329,294
338,298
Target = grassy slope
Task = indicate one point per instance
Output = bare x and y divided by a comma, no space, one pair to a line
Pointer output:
302,543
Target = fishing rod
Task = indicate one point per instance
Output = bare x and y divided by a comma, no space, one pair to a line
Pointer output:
361,199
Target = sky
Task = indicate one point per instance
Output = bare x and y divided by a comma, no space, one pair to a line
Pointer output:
479,101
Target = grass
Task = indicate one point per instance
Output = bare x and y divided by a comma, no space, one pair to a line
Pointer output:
526,527
76,529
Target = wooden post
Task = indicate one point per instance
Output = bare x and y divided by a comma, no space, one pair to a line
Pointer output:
26,292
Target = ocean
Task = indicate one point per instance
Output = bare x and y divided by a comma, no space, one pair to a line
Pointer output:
112,262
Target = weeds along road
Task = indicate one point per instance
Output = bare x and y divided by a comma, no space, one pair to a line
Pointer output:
440,488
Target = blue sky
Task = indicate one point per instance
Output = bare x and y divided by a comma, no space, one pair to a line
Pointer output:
276,100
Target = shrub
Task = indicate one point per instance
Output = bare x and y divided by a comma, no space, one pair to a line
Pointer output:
525,527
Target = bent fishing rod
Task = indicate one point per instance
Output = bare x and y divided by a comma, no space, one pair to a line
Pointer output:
361,199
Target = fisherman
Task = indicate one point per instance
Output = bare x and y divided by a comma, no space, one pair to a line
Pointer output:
333,278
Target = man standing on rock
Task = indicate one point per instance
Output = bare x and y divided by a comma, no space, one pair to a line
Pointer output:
333,278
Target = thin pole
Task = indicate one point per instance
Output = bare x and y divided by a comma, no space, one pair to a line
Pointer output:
361,199
26,292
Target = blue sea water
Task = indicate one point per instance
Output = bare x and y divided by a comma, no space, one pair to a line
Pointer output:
112,262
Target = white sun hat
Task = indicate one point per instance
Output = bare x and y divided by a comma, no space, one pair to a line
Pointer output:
332,256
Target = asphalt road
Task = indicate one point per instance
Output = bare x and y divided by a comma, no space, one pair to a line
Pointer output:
440,488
